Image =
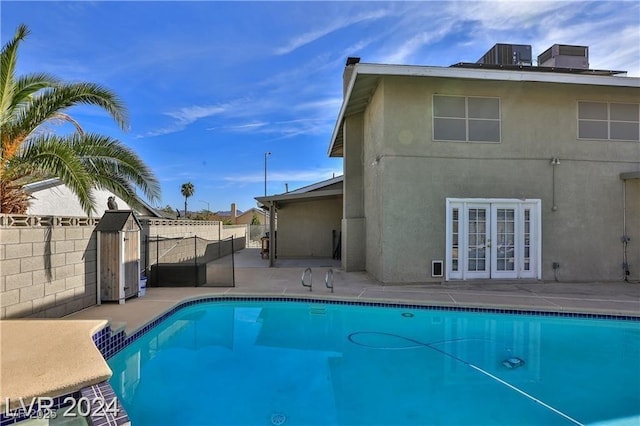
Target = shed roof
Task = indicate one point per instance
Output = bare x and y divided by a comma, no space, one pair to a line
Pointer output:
115,220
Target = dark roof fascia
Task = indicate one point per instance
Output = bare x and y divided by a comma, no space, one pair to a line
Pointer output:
531,68
289,197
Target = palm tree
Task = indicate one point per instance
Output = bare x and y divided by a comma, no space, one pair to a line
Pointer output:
83,161
187,190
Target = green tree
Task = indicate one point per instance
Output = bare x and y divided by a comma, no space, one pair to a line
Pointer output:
81,160
255,220
187,190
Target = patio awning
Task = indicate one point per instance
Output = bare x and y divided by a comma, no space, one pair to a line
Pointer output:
330,188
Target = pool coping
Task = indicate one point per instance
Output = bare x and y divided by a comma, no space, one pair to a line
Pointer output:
77,385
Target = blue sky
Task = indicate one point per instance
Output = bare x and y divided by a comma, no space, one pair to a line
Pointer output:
211,86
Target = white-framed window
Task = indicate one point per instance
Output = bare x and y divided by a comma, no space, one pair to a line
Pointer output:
466,118
608,121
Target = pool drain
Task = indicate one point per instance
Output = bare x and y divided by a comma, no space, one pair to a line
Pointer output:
278,419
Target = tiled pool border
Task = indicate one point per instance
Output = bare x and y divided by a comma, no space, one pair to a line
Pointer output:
110,344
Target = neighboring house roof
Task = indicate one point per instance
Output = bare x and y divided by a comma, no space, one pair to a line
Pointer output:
325,189
365,78
52,197
227,213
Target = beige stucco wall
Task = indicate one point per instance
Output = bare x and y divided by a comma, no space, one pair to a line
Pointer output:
408,176
633,227
353,222
305,227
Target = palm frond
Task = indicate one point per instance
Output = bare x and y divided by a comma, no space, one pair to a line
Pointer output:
49,102
52,155
8,60
105,156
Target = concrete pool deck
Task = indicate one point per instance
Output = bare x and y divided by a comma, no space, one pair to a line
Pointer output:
255,278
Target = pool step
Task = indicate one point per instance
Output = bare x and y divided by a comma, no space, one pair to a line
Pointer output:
317,310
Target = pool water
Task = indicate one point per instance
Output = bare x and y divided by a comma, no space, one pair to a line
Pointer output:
296,363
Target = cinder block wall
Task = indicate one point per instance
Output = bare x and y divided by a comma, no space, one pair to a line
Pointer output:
170,248
47,265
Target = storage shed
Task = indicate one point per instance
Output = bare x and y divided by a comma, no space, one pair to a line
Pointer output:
118,234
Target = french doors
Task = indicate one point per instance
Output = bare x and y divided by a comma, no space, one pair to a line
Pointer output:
493,238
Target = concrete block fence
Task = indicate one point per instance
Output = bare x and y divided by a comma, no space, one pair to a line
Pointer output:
48,264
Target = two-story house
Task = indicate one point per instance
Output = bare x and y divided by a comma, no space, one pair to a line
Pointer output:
490,171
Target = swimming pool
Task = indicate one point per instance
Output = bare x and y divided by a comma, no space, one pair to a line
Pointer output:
300,363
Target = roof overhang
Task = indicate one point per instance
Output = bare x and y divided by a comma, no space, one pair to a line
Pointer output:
365,79
630,175
292,198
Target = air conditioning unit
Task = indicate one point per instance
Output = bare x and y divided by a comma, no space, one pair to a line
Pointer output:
507,54
565,56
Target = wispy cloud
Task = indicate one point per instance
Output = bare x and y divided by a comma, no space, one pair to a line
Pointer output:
334,25
291,176
184,117
188,115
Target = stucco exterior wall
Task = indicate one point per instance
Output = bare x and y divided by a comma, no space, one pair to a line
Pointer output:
408,176
632,192
305,227
374,195
353,222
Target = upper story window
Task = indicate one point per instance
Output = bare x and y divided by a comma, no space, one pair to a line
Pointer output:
466,119
608,121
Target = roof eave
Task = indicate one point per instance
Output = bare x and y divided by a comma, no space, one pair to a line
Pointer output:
466,73
299,197
343,108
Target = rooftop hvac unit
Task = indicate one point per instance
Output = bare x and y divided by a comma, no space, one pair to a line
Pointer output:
565,56
507,54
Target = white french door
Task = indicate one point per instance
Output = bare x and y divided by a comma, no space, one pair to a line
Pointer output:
493,238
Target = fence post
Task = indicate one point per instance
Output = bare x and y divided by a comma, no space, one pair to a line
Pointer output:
233,265
146,255
195,259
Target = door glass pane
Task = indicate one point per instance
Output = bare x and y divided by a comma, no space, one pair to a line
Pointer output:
505,239
526,261
476,238
454,248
